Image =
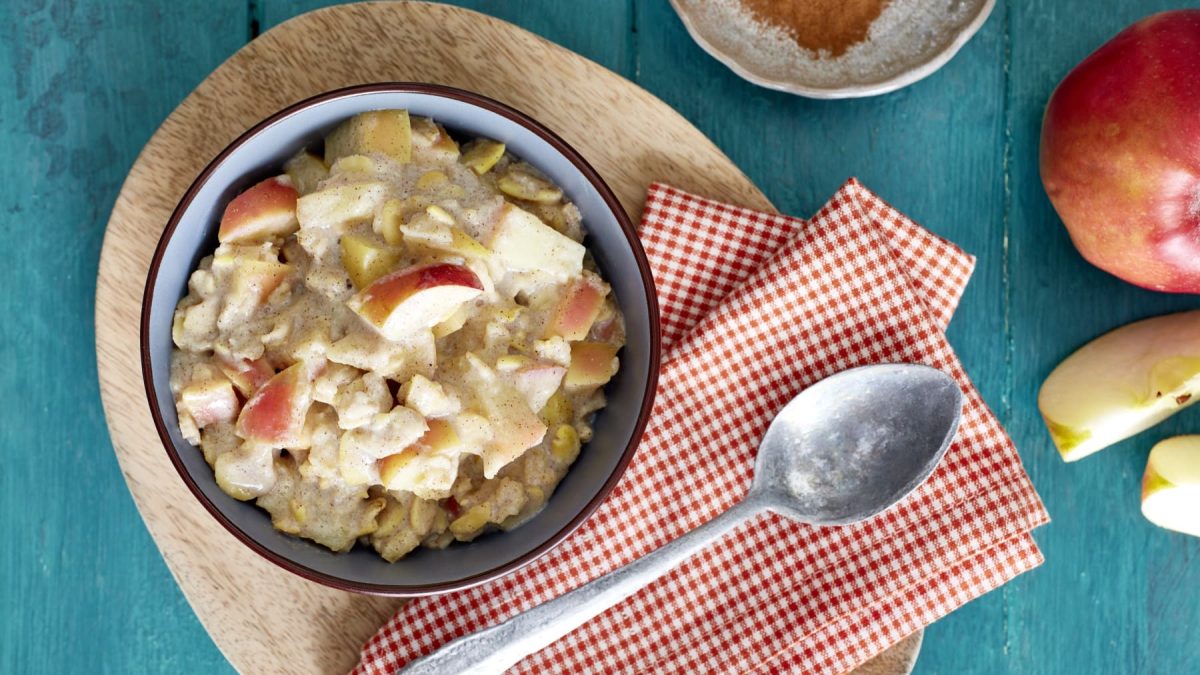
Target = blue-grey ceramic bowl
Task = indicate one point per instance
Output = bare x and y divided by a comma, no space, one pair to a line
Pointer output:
260,152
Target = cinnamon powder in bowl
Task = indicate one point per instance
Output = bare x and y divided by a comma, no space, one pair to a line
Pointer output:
833,48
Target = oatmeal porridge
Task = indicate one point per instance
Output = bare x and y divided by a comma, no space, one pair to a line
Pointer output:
400,343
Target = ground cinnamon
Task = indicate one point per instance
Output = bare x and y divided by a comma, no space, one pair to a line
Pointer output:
831,26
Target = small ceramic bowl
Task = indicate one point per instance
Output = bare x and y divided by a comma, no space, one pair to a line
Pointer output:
260,152
908,41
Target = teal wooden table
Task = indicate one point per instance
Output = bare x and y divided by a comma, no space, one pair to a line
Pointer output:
84,83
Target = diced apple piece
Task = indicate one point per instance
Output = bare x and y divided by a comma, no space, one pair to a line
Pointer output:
430,399
521,183
246,375
340,205
274,415
257,278
306,171
1121,383
579,307
428,467
1171,485
431,143
266,210
415,298
388,132
537,382
592,364
527,244
482,154
360,449
515,428
365,260
210,401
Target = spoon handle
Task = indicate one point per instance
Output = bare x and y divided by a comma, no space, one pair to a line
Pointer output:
495,649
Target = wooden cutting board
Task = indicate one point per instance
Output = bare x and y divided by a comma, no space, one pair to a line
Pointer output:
262,618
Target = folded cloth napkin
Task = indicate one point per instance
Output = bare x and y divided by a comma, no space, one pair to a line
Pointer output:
755,307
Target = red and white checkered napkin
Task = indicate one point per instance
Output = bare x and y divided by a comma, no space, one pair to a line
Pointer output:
755,307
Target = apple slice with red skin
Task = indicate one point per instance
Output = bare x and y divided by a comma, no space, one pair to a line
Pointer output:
266,210
246,375
578,308
275,414
415,298
1171,485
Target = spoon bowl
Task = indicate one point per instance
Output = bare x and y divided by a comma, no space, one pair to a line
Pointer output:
856,442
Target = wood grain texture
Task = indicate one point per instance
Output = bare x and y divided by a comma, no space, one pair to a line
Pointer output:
245,603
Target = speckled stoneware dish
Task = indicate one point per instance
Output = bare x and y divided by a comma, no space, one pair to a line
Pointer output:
260,152
909,40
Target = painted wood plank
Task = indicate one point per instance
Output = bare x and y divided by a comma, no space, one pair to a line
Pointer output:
1118,594
82,85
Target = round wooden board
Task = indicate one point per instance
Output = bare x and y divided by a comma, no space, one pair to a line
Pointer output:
264,619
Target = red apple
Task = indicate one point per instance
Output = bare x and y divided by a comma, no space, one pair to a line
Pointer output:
578,308
1120,153
265,210
414,298
274,415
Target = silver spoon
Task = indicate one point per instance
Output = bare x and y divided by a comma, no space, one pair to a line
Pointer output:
841,451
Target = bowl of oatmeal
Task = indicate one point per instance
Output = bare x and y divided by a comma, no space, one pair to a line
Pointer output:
400,339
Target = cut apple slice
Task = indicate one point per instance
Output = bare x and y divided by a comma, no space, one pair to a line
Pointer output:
579,307
1121,383
1171,485
246,375
415,298
306,171
274,416
482,154
210,401
527,244
592,364
266,210
366,260
431,143
340,205
387,132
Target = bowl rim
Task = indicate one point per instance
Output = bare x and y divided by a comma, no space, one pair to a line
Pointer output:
900,80
610,200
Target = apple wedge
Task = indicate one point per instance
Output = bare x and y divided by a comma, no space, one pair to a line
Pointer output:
1121,383
415,298
1171,485
274,415
578,308
523,242
266,210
